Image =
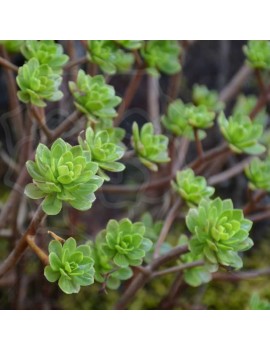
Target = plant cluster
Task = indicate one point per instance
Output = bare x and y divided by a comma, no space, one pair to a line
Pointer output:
93,97
69,172
150,148
63,174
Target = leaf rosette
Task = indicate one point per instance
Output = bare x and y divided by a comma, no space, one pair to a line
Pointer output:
70,265
64,173
219,233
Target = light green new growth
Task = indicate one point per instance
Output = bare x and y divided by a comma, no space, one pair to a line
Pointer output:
93,97
109,56
219,232
181,118
258,174
70,265
241,133
38,83
192,188
161,56
150,148
125,243
104,151
12,46
64,173
202,96
258,53
194,276
46,52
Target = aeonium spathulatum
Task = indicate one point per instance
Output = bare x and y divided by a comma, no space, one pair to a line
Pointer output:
64,173
104,151
125,242
38,82
106,271
258,174
192,188
70,264
219,232
241,133
93,97
150,148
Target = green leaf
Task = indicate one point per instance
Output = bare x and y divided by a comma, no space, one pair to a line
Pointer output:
68,286
32,191
51,275
120,260
51,205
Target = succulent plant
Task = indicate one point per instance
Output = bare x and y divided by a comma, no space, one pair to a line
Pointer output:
130,44
257,303
70,264
202,96
219,232
192,188
94,97
104,151
258,53
194,276
244,106
64,173
241,133
46,52
38,83
150,148
199,117
12,46
258,174
109,56
106,271
177,120
162,56
126,244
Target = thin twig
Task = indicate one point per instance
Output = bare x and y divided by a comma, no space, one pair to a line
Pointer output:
5,63
229,173
178,268
236,276
234,85
198,143
129,95
37,250
22,244
166,226
141,279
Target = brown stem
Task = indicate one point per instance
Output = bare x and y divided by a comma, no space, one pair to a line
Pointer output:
209,156
39,116
66,124
178,268
260,80
141,279
254,200
129,95
232,88
22,244
198,143
229,173
5,63
37,250
257,217
75,62
236,276
153,102
166,227
262,101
